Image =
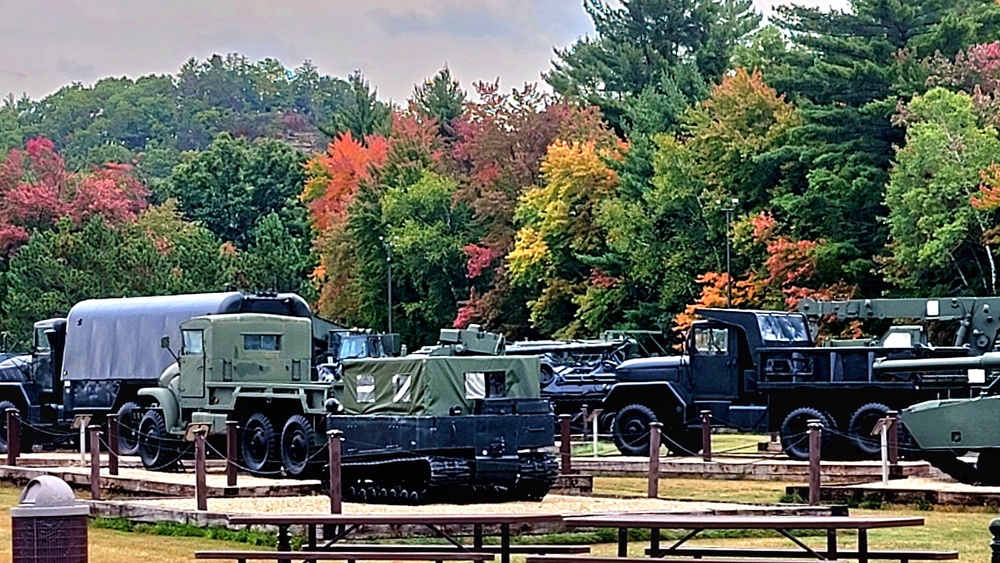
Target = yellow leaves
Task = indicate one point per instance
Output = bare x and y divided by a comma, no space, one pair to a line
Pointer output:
530,253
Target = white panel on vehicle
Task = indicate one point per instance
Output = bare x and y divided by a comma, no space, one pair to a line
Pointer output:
933,308
977,376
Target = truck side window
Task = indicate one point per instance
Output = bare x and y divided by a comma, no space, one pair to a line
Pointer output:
41,342
366,388
192,343
401,388
262,342
711,341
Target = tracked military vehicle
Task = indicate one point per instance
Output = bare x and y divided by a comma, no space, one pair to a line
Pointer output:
428,426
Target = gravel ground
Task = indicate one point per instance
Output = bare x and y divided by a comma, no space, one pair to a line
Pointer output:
552,504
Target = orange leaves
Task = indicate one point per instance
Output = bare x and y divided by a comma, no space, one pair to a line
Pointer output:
334,176
714,288
988,198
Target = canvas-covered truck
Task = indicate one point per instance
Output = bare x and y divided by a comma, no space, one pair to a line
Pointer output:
95,360
416,428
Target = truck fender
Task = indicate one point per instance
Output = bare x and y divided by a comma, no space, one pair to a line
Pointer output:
165,401
661,396
15,393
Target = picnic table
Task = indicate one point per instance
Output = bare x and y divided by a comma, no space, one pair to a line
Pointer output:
345,524
784,525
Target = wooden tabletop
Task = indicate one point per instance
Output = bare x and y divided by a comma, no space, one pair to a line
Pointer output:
393,519
714,522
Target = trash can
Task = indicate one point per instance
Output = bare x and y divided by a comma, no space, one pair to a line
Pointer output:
48,525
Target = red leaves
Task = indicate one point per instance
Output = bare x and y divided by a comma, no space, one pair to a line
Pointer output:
334,176
36,190
480,259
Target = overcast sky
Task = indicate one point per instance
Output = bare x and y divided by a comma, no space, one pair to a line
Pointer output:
49,43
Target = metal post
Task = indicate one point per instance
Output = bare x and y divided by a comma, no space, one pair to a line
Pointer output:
113,448
200,485
729,271
231,449
83,445
706,435
654,459
564,445
334,438
95,461
815,432
995,543
388,262
893,431
583,419
594,421
13,436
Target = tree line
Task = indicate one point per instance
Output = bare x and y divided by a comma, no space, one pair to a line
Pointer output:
853,152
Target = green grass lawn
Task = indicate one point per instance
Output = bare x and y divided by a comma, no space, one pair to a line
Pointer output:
725,443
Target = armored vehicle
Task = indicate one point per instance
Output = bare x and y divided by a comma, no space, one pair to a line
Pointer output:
417,428
95,361
761,370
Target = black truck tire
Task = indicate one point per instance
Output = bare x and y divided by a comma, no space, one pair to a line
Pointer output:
860,430
155,448
298,447
260,446
631,433
4,405
129,416
794,437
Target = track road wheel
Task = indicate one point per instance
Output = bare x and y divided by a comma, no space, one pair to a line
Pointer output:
4,405
129,416
631,433
860,430
260,446
154,447
794,432
298,446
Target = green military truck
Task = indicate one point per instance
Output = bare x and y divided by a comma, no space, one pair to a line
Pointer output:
431,425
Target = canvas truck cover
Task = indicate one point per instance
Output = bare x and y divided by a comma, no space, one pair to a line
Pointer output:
432,385
119,339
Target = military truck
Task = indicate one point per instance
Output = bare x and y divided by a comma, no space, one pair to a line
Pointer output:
423,427
762,370
95,361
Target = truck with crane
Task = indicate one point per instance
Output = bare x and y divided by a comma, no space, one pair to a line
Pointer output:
764,371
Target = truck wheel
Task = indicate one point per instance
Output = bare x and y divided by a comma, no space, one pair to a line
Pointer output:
298,446
129,416
260,445
860,430
794,432
4,405
153,447
631,433
546,375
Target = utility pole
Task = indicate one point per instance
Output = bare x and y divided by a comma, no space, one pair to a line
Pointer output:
388,283
729,208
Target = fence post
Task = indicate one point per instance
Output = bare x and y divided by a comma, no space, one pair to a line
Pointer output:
113,444
995,543
232,438
334,438
583,419
13,436
893,444
654,459
815,432
95,461
706,435
200,485
564,445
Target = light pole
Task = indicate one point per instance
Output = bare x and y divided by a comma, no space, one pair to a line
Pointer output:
388,261
729,208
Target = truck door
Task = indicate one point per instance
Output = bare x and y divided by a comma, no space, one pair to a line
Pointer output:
192,364
714,361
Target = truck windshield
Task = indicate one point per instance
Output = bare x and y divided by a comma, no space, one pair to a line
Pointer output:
783,328
353,347
192,343
41,341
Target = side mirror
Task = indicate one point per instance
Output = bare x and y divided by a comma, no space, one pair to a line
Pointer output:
165,343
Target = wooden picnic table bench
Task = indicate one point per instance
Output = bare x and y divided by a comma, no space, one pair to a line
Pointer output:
348,523
901,555
566,559
564,549
350,557
784,525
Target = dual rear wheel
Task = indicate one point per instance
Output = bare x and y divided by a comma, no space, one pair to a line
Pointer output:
294,450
